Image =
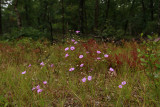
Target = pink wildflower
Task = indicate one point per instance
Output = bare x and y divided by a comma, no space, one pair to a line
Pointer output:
81,65
75,42
52,65
124,82
105,55
66,49
89,78
39,90
84,79
37,87
44,82
66,55
120,86
77,31
33,88
71,69
72,40
111,69
72,48
80,56
42,63
98,58
29,65
98,52
24,72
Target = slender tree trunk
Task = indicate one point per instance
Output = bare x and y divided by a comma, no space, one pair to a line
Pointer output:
0,17
51,28
27,13
85,20
19,24
143,11
151,10
81,14
107,8
125,27
127,21
47,18
45,14
96,14
63,23
159,18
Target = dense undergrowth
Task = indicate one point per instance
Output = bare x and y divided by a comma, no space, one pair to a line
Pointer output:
79,73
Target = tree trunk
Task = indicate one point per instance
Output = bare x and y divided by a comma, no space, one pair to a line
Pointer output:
44,19
81,14
63,23
19,24
127,21
51,28
27,13
96,14
143,11
107,8
0,17
85,20
159,18
151,10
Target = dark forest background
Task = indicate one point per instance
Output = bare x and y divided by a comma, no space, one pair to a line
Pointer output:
54,19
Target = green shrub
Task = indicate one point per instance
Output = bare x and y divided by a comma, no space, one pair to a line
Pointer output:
110,32
24,32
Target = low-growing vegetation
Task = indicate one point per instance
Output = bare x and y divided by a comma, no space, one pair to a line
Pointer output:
79,73
79,53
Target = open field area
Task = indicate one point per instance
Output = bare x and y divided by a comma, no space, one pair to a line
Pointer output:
79,53
79,73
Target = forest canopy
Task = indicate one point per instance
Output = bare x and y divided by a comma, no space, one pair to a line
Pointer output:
52,18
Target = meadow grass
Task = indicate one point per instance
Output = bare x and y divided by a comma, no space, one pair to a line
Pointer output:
26,64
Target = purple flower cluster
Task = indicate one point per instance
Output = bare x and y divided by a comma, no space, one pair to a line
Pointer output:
24,72
39,90
89,79
71,69
123,83
71,48
99,52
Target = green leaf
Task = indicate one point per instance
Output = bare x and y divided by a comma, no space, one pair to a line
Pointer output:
154,59
146,55
158,66
144,64
6,104
144,42
143,60
149,37
141,34
138,50
139,55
